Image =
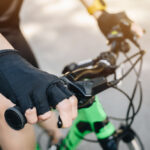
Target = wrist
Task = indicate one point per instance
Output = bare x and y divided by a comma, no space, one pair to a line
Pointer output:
97,14
94,7
4,43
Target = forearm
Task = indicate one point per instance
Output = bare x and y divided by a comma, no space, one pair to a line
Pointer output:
4,44
94,7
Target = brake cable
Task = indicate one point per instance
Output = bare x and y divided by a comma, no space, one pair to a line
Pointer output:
128,59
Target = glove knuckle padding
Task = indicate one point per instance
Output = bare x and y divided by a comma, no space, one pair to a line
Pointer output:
57,92
27,86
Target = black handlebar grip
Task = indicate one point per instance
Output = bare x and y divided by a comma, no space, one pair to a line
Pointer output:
14,118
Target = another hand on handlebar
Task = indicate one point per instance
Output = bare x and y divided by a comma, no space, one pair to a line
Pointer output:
118,26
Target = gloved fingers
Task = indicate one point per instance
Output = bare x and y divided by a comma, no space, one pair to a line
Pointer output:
123,15
40,101
56,95
26,106
107,21
31,115
74,103
64,101
24,102
65,112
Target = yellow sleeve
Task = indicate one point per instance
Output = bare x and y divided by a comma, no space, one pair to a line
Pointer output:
97,5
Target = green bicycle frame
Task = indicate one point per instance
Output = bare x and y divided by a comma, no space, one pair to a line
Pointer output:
37,147
87,121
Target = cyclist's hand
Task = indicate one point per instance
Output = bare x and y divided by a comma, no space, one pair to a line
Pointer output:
33,90
108,21
67,110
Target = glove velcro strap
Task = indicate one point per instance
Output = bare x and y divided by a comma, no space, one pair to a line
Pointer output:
98,5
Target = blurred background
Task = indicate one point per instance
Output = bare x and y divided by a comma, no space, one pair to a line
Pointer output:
61,32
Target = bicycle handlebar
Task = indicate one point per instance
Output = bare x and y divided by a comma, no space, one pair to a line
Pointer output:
84,90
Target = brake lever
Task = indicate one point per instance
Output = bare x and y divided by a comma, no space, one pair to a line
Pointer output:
84,90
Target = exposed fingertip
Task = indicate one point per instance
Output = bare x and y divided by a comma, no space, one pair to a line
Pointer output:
45,116
31,116
31,110
73,97
33,121
28,111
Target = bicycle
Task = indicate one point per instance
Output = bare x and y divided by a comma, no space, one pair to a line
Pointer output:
86,81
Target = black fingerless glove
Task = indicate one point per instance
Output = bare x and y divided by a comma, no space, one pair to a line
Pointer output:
107,21
27,86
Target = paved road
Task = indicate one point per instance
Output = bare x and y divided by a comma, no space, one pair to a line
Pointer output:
61,31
